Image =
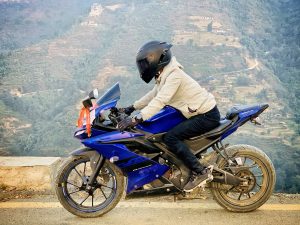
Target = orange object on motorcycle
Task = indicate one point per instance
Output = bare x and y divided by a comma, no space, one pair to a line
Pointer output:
85,114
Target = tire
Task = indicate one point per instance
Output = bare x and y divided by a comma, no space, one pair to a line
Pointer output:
82,211
268,179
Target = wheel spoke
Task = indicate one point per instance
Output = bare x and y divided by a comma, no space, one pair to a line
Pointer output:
230,189
78,173
249,195
84,169
84,200
258,185
107,186
239,198
245,159
103,193
93,200
74,192
72,184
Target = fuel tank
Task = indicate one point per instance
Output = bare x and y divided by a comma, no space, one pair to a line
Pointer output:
163,121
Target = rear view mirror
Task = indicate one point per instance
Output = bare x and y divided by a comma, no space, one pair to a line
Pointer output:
94,94
87,102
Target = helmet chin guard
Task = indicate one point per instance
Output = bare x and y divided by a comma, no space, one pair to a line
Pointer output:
151,58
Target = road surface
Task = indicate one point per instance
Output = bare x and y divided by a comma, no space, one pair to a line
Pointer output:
147,211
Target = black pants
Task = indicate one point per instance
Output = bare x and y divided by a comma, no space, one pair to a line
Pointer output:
192,127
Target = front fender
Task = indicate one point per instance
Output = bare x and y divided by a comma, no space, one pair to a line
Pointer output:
82,151
92,154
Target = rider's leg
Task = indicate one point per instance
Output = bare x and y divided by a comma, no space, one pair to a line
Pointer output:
192,127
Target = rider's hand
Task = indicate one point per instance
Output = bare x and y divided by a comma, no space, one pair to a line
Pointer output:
129,122
128,110
126,122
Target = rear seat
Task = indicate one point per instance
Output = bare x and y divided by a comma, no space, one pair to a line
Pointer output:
235,110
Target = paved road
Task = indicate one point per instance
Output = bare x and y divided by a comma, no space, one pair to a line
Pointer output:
46,210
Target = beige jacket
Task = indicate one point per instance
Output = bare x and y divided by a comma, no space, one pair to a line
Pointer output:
177,89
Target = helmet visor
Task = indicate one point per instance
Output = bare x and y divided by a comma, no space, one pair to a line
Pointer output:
145,70
143,65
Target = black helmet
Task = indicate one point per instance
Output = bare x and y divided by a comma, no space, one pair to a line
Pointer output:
151,58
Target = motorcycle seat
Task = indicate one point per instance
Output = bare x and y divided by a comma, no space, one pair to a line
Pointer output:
223,125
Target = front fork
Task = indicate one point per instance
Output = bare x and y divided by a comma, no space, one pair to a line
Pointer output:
96,160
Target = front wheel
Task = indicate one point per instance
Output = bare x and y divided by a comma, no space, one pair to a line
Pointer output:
259,173
88,201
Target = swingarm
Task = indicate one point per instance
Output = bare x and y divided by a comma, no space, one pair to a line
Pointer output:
227,178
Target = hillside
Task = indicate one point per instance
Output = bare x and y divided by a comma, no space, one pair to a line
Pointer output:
53,53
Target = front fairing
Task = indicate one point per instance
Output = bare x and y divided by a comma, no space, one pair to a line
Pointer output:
108,100
81,134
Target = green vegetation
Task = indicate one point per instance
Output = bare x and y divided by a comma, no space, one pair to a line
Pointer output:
242,81
3,65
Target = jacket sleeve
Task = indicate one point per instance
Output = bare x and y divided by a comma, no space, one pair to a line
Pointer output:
163,96
142,102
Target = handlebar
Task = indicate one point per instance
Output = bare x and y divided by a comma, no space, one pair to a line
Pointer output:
116,115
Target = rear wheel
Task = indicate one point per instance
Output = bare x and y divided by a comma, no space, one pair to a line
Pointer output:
88,201
259,173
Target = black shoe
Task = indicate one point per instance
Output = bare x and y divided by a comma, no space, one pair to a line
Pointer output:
198,179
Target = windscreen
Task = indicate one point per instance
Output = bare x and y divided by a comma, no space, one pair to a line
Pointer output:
113,94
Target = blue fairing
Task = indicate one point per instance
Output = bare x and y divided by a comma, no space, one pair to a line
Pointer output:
105,107
81,134
109,99
115,136
163,121
243,116
136,178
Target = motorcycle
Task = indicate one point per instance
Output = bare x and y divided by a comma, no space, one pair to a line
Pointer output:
92,180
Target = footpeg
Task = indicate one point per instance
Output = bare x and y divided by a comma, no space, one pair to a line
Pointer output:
211,168
203,185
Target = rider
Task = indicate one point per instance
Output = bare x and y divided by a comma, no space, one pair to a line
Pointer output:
175,88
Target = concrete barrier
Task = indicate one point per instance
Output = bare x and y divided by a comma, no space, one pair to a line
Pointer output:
28,173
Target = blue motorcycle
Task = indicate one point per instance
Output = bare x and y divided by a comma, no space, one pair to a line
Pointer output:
92,180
